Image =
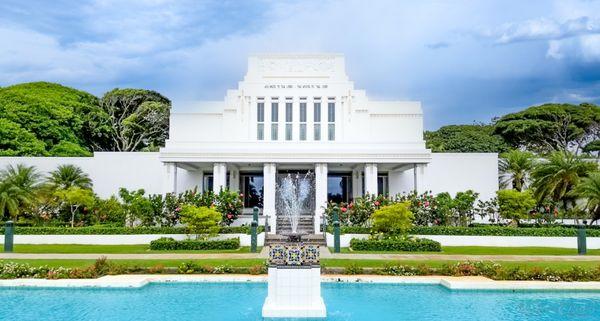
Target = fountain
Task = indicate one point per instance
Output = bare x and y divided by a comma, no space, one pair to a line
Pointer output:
294,289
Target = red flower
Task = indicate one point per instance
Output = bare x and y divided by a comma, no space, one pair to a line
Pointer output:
351,205
344,209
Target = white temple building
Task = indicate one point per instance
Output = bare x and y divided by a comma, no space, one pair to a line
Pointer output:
300,112
292,113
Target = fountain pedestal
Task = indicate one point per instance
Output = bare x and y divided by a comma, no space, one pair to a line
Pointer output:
294,292
294,289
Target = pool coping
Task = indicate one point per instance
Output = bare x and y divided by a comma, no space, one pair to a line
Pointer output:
451,283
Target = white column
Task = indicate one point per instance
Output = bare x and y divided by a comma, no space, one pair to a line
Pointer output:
219,177
357,182
200,182
320,194
269,174
419,178
171,178
234,179
371,179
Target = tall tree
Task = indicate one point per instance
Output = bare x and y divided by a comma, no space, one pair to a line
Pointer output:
465,139
551,127
67,176
18,185
139,119
515,167
556,177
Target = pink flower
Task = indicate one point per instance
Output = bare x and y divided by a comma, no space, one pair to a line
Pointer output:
376,203
229,215
241,194
177,209
344,209
426,203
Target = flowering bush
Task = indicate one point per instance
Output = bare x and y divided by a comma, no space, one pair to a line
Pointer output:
230,204
359,211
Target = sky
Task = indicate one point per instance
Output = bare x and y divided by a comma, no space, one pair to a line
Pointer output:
466,61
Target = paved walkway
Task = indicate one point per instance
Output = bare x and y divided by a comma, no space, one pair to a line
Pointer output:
325,254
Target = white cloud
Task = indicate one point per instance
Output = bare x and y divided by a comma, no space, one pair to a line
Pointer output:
545,29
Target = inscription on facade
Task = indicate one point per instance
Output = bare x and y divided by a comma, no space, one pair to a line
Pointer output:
296,86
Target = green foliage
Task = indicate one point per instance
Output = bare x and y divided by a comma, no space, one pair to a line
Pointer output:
396,244
169,244
484,230
465,139
202,221
138,207
138,118
550,127
359,211
109,211
112,230
558,175
16,141
69,149
589,190
515,167
45,115
392,219
593,146
230,204
66,176
515,205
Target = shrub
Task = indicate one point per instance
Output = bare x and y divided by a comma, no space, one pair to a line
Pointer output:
396,244
392,219
169,244
202,221
515,205
230,204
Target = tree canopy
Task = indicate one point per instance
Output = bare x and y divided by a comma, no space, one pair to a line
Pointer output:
465,139
551,127
47,119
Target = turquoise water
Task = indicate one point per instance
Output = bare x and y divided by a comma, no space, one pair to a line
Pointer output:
234,301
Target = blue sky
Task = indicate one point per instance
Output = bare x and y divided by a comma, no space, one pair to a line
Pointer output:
465,60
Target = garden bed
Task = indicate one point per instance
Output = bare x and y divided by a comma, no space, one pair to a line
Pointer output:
494,230
103,230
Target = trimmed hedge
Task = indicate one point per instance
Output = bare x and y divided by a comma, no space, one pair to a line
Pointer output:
492,230
399,244
169,244
103,230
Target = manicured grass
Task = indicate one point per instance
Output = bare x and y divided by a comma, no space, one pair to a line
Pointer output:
331,263
108,249
487,250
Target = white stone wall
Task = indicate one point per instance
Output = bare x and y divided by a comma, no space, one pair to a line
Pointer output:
452,173
448,172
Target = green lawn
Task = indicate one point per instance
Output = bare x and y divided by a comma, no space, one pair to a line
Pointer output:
108,249
338,263
487,250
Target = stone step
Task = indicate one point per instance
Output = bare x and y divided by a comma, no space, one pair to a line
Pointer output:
313,239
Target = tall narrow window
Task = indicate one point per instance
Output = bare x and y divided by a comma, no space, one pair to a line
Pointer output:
274,120
302,121
331,121
317,118
288,120
260,119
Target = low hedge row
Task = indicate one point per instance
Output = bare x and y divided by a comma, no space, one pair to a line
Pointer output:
396,244
169,244
103,230
493,230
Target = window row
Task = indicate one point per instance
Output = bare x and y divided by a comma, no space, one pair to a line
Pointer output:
289,120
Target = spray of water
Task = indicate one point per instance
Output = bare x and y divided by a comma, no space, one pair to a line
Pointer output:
295,194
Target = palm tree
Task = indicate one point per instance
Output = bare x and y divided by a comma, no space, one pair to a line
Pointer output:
66,176
558,175
515,167
589,189
18,186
